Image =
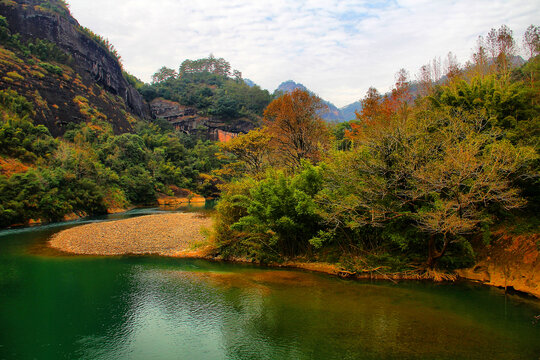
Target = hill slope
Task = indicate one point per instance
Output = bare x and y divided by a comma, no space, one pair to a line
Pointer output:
62,68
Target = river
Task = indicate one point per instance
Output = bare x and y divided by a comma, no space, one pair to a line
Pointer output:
56,306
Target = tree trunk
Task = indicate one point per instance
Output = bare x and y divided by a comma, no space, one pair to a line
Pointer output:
433,254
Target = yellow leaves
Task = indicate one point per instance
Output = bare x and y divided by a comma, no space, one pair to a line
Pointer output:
88,111
40,102
251,149
37,74
8,2
14,76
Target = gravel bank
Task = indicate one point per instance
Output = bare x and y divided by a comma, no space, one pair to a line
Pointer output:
163,234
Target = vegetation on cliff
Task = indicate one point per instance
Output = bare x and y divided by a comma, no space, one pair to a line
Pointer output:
412,183
212,87
95,164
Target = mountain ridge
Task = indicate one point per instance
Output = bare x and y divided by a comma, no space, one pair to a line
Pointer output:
333,114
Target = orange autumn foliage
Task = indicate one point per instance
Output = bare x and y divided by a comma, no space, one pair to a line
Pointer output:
297,131
378,112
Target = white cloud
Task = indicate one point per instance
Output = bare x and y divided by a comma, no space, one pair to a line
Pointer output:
337,48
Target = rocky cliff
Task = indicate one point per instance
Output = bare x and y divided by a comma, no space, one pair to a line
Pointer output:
510,261
188,120
95,70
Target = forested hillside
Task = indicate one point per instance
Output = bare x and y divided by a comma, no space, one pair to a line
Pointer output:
421,179
416,182
75,138
210,86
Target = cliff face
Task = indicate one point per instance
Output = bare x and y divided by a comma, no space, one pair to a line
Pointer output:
188,120
511,260
92,64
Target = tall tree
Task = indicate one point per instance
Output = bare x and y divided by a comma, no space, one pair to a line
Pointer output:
378,112
210,64
435,170
297,131
163,74
250,149
531,40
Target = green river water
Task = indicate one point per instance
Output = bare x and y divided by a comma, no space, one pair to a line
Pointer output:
54,306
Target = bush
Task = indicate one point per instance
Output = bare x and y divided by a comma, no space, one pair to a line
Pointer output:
277,217
53,69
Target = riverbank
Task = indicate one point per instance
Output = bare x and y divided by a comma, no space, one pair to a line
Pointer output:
509,262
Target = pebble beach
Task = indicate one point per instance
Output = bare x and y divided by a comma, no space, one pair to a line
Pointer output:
176,234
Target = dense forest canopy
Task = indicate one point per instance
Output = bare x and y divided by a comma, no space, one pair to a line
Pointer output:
411,184
417,181
210,85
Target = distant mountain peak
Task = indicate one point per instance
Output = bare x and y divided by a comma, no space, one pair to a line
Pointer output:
290,85
333,114
249,82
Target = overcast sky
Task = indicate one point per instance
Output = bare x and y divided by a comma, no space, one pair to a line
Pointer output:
337,48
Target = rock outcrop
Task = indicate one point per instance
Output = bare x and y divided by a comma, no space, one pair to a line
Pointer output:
510,261
188,120
92,63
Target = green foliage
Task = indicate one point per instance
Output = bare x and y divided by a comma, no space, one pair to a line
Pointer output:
212,65
504,103
408,185
48,51
53,69
207,85
339,131
19,138
139,185
90,168
5,34
13,102
59,7
133,80
278,215
46,194
44,50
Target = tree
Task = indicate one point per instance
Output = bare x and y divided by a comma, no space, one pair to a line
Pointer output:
210,64
435,170
471,170
297,131
164,74
250,149
480,58
501,47
280,212
505,104
531,40
379,112
371,105
425,79
452,66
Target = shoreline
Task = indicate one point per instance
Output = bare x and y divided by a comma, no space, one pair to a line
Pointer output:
180,235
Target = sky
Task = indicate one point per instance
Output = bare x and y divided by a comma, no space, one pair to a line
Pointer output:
336,48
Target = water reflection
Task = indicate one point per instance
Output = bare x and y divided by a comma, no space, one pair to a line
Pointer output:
70,307
260,314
